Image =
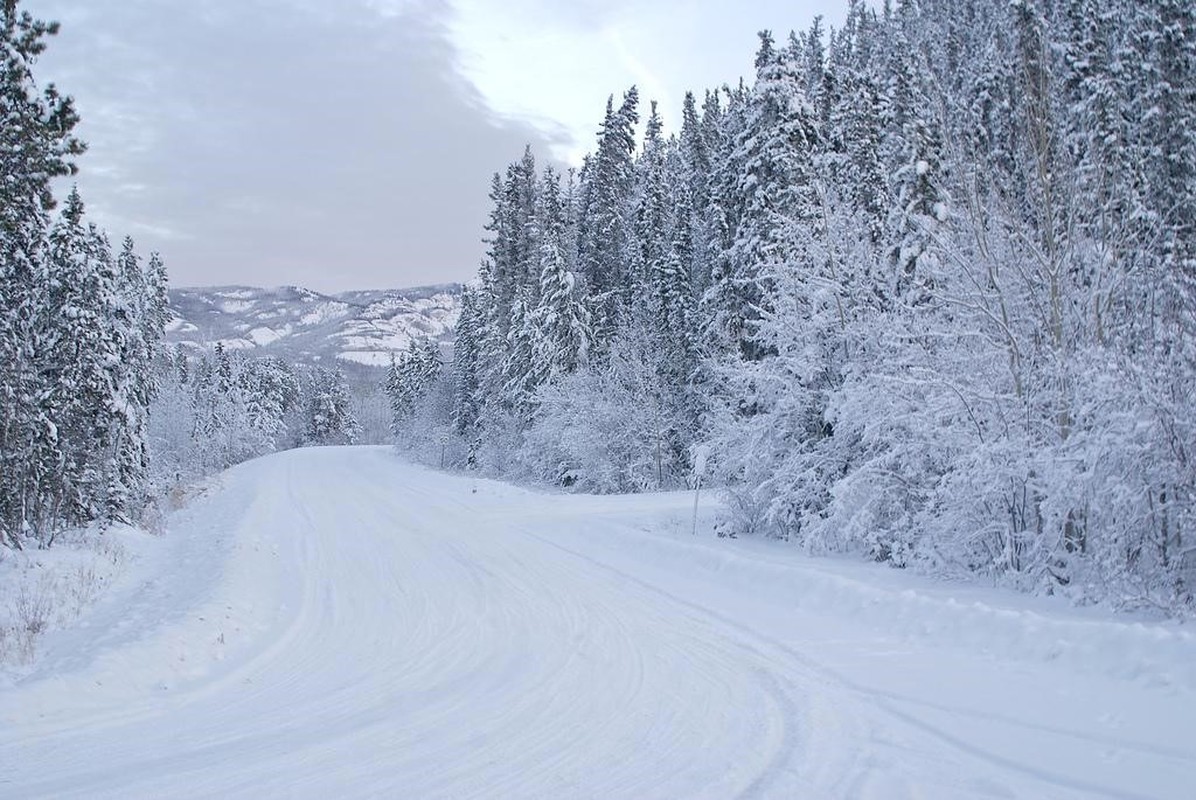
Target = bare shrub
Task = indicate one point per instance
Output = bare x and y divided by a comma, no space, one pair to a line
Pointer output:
153,517
32,609
108,549
84,586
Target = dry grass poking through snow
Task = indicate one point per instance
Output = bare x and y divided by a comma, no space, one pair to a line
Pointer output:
41,590
44,589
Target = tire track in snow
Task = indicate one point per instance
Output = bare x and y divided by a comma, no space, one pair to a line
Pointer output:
410,637
830,682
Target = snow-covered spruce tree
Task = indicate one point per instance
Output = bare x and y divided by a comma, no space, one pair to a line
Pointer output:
562,319
328,416
693,235
912,152
648,245
139,321
409,379
764,181
513,289
605,230
77,360
522,371
661,316
36,145
466,367
271,393
506,292
776,218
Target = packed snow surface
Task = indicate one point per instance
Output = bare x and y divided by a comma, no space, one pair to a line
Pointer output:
337,623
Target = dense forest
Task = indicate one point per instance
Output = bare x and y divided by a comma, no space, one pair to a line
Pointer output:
923,290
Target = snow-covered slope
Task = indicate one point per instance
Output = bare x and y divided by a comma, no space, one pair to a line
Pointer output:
363,327
334,622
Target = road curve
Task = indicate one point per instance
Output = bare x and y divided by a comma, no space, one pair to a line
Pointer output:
334,622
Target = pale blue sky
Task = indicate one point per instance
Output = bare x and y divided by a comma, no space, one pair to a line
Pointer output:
350,144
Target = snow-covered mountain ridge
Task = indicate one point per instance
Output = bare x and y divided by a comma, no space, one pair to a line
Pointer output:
298,324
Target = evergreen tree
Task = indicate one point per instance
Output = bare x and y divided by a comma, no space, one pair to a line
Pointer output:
607,230
36,145
562,318
271,392
649,246
466,353
133,376
328,414
770,170
410,377
522,370
691,194
79,360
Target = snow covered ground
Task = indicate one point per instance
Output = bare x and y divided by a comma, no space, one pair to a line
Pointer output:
41,590
334,622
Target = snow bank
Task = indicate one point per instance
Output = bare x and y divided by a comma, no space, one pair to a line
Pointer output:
910,607
43,592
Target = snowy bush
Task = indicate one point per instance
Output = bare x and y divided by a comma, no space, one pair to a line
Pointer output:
607,428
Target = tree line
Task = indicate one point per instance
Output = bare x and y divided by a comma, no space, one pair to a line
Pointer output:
79,322
219,408
924,288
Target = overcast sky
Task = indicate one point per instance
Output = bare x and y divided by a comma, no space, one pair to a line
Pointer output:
348,144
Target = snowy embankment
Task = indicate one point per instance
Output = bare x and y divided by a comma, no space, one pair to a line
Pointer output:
334,620
41,590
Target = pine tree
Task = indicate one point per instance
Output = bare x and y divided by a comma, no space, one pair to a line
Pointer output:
36,145
410,377
608,230
692,188
80,361
522,370
466,352
649,246
328,414
770,183
133,377
562,318
271,392
913,153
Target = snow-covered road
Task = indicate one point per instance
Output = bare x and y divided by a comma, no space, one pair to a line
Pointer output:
336,623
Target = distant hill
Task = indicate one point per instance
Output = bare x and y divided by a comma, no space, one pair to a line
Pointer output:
361,327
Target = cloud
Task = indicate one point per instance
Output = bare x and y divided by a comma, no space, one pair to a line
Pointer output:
284,141
350,144
537,60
